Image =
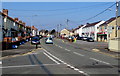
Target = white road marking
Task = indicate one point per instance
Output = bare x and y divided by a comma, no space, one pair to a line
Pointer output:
60,46
78,54
18,66
70,66
56,45
29,65
0,62
67,50
51,58
100,61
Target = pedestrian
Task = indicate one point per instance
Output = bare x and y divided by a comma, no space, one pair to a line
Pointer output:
74,39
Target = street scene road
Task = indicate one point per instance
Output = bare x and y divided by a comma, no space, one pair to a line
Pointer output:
60,58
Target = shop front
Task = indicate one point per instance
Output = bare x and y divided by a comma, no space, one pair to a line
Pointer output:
102,36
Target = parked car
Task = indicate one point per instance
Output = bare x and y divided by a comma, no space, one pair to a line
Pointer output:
49,40
84,38
35,40
40,36
79,38
90,39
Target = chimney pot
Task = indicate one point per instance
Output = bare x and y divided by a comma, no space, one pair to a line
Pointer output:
5,11
16,19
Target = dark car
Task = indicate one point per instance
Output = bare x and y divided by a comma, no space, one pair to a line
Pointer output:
84,38
35,40
89,39
79,38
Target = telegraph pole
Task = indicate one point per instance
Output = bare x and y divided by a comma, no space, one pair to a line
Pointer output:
67,24
58,30
117,4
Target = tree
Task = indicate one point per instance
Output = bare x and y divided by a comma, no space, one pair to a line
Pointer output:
46,31
53,31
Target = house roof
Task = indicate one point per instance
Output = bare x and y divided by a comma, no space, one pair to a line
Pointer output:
77,27
34,28
108,21
91,24
28,27
11,18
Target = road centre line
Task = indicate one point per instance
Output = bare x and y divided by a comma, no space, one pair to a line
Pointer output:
68,65
100,61
67,50
51,58
78,54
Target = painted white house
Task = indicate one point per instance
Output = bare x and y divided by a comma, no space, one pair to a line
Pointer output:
78,30
81,29
34,31
91,29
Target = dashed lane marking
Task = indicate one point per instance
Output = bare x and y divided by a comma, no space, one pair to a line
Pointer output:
67,50
100,61
60,46
78,54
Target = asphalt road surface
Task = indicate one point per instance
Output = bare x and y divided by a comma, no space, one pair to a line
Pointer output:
61,58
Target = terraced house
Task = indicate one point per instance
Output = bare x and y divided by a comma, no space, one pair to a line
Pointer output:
108,30
91,29
14,31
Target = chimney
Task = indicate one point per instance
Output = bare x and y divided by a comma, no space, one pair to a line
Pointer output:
23,23
20,22
16,19
88,23
5,11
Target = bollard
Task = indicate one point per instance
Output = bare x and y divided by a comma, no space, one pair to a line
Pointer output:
36,46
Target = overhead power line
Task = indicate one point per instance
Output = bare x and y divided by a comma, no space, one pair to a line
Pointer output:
60,9
98,13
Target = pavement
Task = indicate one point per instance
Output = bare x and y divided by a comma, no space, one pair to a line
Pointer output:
100,47
22,49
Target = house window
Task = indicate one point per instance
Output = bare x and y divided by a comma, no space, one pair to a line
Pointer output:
105,27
